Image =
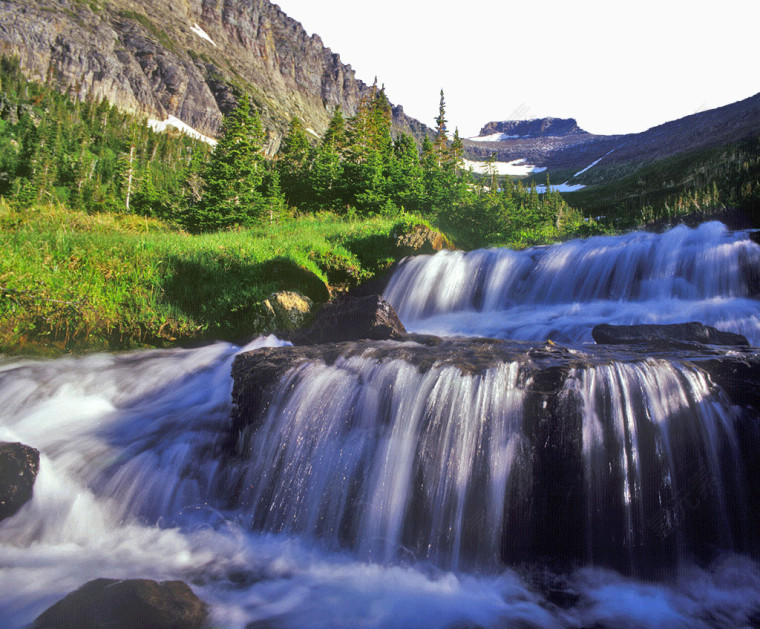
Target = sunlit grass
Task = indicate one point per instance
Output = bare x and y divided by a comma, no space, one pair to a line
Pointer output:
73,281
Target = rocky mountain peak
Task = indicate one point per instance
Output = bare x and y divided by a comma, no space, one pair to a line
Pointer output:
536,128
189,59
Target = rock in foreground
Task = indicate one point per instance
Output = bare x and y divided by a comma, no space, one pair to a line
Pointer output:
672,336
369,317
126,604
19,465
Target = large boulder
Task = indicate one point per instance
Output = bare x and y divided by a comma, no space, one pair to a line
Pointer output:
285,310
671,336
114,604
19,465
368,317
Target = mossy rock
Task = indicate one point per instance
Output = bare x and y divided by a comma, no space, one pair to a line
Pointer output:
421,239
284,310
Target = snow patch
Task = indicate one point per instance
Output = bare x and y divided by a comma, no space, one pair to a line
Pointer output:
202,34
314,133
515,168
563,187
172,121
494,137
591,165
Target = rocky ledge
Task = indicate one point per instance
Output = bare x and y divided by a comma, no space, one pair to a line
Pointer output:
114,604
670,336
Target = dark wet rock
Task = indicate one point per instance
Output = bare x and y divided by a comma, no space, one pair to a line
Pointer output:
738,376
369,317
114,604
19,465
675,336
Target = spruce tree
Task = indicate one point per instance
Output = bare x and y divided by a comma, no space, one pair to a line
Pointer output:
325,177
441,133
294,161
233,177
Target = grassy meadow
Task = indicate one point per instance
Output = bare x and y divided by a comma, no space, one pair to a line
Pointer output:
72,281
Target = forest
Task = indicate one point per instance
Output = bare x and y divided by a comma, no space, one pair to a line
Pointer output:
89,156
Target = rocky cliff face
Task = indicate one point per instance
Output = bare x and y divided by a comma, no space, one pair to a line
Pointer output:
187,58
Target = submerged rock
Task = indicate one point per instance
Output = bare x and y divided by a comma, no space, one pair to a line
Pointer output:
368,317
19,465
675,335
126,604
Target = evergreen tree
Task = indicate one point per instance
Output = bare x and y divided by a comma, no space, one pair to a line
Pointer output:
294,161
368,153
406,183
441,133
233,177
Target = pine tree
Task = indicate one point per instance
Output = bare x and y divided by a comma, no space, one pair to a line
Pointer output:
406,184
441,133
325,177
368,153
294,161
233,177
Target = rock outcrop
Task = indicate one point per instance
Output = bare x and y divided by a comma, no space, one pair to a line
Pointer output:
19,465
421,240
113,604
187,59
282,311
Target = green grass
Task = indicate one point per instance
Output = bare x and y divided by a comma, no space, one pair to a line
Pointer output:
71,281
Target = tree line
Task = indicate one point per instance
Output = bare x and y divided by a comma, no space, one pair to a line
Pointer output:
90,156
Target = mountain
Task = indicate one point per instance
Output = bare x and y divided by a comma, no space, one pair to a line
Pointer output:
540,127
189,59
564,149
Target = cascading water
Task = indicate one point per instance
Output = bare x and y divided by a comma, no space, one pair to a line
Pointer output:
477,464
560,292
425,483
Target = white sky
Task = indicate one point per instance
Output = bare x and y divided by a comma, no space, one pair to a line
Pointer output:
617,67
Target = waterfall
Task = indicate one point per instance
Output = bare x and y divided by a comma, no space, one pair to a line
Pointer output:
560,292
433,482
634,464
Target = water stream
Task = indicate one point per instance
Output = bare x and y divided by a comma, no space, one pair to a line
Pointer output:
592,488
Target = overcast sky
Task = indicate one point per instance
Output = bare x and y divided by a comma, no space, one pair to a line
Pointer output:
616,67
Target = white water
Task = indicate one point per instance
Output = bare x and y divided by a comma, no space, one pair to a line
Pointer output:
561,292
132,485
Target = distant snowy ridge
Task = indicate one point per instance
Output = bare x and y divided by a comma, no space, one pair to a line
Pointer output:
202,34
172,121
